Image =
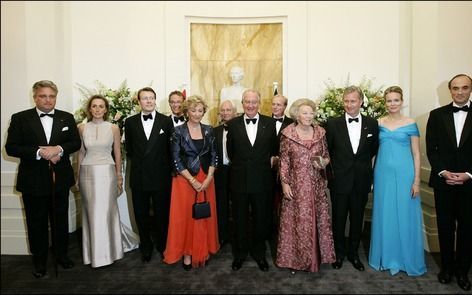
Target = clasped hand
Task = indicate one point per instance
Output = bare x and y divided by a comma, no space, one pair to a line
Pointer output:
320,163
50,153
201,186
455,178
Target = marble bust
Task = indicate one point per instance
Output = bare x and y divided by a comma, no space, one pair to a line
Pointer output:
235,91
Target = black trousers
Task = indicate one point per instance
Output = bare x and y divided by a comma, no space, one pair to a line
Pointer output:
222,201
151,228
352,204
257,206
454,219
39,209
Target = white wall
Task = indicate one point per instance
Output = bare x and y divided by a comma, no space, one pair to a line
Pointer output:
416,45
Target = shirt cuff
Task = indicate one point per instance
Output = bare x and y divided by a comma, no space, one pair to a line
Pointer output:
62,151
441,173
470,175
38,157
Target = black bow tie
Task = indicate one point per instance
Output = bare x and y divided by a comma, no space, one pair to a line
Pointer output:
146,117
225,127
254,120
279,120
353,119
44,114
464,108
177,119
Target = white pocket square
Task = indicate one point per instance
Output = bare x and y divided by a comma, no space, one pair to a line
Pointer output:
369,135
65,128
162,131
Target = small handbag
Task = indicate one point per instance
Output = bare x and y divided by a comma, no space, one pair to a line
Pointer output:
201,210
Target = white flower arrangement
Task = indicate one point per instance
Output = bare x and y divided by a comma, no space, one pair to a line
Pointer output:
331,102
123,102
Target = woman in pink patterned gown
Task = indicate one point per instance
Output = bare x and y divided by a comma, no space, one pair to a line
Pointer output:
305,236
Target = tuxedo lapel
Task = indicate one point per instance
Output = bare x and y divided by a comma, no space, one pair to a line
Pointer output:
363,138
261,129
467,130
57,125
37,127
344,133
448,119
242,130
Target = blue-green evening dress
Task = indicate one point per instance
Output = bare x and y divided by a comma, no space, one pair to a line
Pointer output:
397,225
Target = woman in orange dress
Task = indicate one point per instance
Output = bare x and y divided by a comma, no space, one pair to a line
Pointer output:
194,156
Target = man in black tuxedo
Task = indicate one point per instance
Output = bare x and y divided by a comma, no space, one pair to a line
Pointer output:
147,140
449,150
222,176
43,138
352,144
279,104
176,99
251,146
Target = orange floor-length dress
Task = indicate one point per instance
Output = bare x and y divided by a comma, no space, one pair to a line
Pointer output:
188,236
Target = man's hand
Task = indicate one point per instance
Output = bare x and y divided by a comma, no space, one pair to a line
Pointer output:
455,178
50,152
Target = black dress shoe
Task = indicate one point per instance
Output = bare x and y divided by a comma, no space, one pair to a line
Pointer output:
237,264
39,273
338,264
357,264
187,267
263,265
444,277
463,282
146,257
66,263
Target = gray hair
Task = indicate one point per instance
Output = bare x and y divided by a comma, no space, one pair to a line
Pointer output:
44,83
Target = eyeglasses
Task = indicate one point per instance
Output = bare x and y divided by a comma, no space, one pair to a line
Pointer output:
147,98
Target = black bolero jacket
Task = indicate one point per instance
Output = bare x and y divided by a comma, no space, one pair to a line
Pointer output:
186,156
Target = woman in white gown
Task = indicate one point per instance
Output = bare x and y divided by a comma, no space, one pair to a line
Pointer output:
104,237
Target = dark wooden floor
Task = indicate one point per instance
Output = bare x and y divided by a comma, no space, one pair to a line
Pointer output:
130,275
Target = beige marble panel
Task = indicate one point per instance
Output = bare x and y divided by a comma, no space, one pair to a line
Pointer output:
216,48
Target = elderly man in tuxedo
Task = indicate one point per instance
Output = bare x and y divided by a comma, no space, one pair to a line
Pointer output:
43,138
147,139
449,150
352,144
227,112
251,146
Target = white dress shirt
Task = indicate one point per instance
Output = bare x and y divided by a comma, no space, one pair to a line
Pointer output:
278,125
147,125
354,129
225,154
459,121
251,129
46,121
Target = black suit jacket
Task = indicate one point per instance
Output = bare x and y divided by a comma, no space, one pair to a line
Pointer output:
351,170
26,134
441,147
150,159
186,156
250,165
219,143
287,121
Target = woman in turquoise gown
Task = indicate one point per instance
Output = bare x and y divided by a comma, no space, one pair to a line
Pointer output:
397,225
